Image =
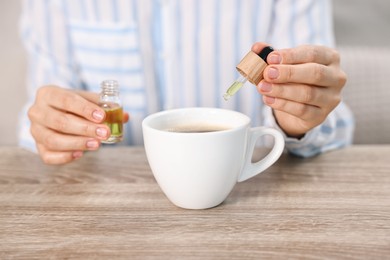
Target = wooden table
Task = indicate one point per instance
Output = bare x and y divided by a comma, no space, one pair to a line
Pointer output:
107,205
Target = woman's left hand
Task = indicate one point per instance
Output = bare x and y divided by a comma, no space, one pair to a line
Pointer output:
302,85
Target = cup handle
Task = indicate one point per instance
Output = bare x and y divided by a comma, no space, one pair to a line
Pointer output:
252,169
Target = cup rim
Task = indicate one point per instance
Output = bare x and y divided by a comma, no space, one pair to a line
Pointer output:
146,122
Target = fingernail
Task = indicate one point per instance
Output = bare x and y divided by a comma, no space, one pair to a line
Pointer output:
77,154
273,73
92,144
102,132
269,100
98,115
265,86
274,58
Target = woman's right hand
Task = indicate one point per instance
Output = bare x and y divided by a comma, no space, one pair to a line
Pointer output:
65,123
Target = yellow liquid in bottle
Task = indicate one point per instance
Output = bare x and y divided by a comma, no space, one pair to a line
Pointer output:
114,120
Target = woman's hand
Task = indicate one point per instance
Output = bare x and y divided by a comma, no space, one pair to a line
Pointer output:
302,85
64,123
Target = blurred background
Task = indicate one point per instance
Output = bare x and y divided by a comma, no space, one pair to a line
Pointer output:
362,37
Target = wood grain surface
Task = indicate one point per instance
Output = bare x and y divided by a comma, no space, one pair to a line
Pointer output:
108,206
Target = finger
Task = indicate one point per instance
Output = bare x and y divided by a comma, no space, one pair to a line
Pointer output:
306,94
55,141
93,97
305,54
126,117
90,96
258,46
308,73
54,157
300,110
70,124
70,101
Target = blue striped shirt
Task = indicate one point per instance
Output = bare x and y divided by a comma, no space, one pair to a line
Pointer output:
170,54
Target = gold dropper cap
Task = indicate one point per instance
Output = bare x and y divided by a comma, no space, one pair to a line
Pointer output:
251,68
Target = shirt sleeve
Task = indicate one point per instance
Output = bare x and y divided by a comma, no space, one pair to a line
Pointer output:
48,57
310,22
335,132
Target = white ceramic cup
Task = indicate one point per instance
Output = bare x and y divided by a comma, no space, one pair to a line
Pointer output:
199,170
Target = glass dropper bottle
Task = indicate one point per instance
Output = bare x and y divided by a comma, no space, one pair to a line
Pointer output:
251,69
112,105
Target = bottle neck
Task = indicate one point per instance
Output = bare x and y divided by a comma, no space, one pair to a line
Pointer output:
110,91
110,86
